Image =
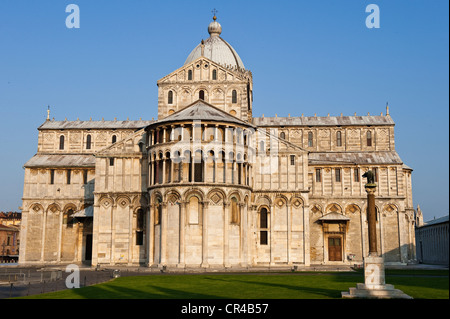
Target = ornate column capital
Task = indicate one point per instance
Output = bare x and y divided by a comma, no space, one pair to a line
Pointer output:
370,188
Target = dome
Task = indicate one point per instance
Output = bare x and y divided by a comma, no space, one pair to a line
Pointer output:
216,49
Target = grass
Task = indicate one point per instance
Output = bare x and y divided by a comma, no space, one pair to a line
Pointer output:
428,284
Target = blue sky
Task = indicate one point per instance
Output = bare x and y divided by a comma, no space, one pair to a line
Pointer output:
306,57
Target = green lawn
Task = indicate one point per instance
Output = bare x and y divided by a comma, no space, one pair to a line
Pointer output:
419,285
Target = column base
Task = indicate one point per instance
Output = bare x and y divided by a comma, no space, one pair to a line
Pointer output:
374,286
362,291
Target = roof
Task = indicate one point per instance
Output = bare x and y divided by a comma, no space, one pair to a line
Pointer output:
216,49
202,111
87,212
367,158
9,228
324,120
334,216
84,125
61,160
436,221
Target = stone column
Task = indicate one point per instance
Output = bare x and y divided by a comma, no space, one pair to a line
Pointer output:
163,173
44,219
288,232
182,233
205,235
244,233
60,236
371,189
373,264
163,223
226,206
149,235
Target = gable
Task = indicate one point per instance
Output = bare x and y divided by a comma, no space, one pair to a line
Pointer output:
130,145
202,69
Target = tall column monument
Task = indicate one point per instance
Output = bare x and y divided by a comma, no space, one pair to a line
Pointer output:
374,279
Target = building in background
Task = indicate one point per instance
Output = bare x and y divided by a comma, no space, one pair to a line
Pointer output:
432,241
9,236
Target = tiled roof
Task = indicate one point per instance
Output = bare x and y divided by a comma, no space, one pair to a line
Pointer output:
202,111
99,125
323,120
61,160
367,158
334,216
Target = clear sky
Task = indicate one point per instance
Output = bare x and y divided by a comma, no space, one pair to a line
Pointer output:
306,57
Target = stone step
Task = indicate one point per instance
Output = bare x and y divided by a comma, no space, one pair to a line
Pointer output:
361,292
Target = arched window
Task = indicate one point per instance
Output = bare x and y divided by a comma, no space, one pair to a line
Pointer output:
88,142
140,226
263,226
310,139
369,138
337,173
85,176
338,138
201,95
68,218
223,165
234,96
114,139
214,74
61,142
170,98
190,75
234,211
168,172
282,135
261,146
318,175
52,176
198,166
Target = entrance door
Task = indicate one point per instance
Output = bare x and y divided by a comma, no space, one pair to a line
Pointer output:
334,249
88,251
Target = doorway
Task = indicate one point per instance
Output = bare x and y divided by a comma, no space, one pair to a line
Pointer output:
88,251
334,248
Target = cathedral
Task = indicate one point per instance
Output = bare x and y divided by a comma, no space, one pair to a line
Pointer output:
208,185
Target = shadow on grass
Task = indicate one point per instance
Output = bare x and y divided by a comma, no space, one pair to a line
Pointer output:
287,286
121,292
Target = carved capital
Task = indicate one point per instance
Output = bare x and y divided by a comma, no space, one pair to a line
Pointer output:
370,188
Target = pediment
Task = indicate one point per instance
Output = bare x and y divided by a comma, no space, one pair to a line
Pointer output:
131,144
223,73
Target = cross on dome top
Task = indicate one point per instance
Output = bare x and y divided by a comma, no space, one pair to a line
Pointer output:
214,28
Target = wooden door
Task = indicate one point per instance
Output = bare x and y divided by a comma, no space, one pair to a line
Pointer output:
334,249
